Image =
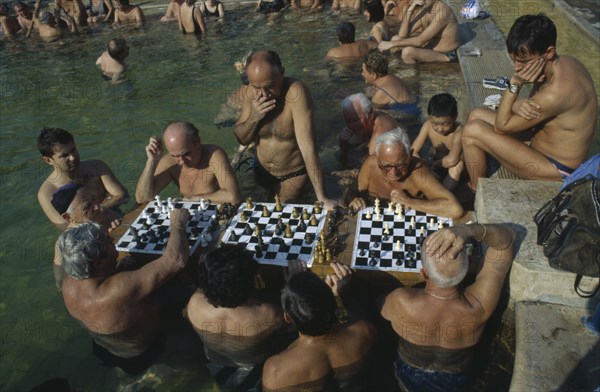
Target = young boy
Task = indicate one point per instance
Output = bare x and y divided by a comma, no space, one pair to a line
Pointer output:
444,133
112,61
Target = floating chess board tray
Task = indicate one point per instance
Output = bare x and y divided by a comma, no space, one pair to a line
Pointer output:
398,251
276,248
150,231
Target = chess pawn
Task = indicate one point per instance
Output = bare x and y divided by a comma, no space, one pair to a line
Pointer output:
391,207
301,225
313,221
431,223
386,229
295,214
317,207
398,246
249,205
243,217
368,214
265,212
288,231
157,199
257,231
305,215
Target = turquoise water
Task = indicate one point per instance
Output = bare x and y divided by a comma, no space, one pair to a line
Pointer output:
170,77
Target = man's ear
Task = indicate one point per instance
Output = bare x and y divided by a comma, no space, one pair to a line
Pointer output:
550,53
48,160
287,318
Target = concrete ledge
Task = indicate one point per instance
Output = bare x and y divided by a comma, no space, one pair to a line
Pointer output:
531,277
554,351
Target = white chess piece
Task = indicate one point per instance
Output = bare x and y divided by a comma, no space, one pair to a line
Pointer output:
398,248
203,204
157,199
412,222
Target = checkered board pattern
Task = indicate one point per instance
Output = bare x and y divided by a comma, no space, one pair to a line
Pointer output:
159,224
372,252
277,249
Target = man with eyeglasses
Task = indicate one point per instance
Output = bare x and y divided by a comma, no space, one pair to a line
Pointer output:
392,174
558,118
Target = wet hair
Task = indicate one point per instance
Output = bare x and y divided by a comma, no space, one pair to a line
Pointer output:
49,137
442,105
117,48
376,11
363,102
345,32
389,138
188,127
266,55
445,273
309,303
377,63
190,2
80,247
3,9
46,18
123,2
226,276
531,34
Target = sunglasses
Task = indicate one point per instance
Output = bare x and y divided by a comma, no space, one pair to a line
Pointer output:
397,166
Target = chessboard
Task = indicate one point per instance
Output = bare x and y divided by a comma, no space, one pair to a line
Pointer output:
391,240
150,231
274,237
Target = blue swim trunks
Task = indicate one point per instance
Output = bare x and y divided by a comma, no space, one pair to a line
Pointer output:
564,171
415,379
408,109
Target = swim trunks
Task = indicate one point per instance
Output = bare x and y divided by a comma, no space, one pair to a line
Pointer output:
268,7
133,365
415,379
564,171
452,55
409,109
263,175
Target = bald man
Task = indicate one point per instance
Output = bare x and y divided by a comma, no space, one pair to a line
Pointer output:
439,326
201,171
277,115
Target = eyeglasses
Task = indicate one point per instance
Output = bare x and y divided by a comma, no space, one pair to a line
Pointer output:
397,166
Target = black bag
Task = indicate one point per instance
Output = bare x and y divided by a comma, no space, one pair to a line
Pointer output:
569,229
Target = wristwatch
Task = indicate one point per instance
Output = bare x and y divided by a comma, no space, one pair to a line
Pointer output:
513,88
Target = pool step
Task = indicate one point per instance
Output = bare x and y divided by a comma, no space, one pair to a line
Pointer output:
555,352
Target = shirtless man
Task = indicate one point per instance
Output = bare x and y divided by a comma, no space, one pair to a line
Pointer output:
77,205
277,115
201,171
349,48
58,150
392,174
562,128
128,14
24,15
9,26
438,40
238,327
363,124
439,326
75,9
117,308
172,13
47,25
191,20
389,90
112,60
326,356
345,5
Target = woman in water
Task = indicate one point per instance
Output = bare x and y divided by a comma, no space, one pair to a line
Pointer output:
374,13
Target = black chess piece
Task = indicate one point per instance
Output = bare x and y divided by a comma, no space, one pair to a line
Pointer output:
399,263
376,244
145,226
195,231
386,237
278,230
301,225
309,238
247,230
363,252
373,262
233,237
258,250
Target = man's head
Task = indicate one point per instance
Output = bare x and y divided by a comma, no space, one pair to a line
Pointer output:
182,141
87,251
117,49
393,153
76,204
21,9
47,18
3,9
345,32
531,37
443,271
442,111
58,149
358,112
374,67
226,276
308,304
122,3
265,73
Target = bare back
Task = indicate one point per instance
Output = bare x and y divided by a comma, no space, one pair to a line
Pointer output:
357,49
390,90
567,135
442,18
189,19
